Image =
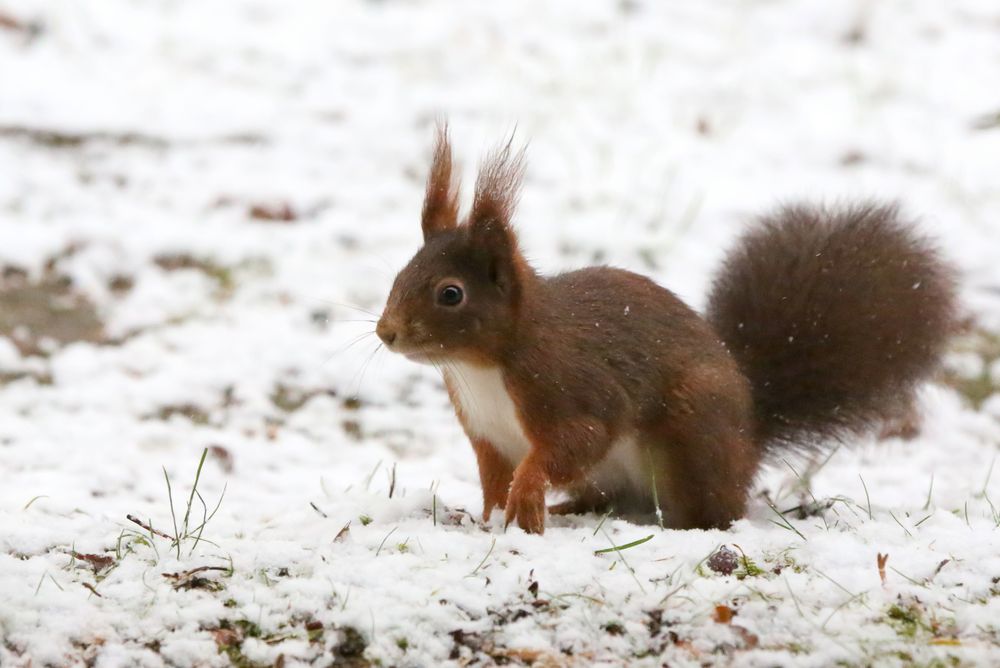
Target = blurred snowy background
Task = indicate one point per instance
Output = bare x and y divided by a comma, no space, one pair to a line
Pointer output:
196,199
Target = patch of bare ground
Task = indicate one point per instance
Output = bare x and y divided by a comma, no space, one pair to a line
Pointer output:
40,314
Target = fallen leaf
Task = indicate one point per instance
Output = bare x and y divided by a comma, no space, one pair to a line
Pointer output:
222,456
227,637
749,639
281,212
97,561
343,533
723,614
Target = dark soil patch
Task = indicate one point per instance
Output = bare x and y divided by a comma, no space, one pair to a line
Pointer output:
32,311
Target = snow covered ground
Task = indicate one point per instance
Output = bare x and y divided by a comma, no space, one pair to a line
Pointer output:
195,196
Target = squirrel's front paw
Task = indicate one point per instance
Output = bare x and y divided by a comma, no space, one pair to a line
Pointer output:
491,502
526,502
494,496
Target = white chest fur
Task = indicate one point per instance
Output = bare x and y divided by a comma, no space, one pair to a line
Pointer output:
487,408
488,412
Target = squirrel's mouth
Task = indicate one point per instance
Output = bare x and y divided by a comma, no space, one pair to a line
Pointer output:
419,354
415,346
400,339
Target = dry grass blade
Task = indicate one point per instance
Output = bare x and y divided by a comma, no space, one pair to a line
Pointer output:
488,553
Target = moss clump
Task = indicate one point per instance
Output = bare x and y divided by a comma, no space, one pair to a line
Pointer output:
906,619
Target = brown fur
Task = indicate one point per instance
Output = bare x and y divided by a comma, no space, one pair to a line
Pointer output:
440,212
595,357
834,316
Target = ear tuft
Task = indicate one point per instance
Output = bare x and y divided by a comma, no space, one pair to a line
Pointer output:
440,212
498,186
497,189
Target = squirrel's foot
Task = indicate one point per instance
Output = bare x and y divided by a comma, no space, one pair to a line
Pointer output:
581,506
526,502
493,501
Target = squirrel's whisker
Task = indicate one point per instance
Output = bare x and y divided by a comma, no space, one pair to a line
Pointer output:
364,367
350,306
353,342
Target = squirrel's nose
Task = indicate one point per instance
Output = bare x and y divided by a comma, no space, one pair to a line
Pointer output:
386,332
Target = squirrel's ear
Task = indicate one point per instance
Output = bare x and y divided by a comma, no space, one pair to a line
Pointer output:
497,189
440,212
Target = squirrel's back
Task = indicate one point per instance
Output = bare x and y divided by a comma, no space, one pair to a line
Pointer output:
834,316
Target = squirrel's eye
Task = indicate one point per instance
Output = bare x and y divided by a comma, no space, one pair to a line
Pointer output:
450,295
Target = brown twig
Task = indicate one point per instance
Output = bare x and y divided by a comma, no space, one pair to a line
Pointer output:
193,571
188,579
157,532
92,589
938,569
881,559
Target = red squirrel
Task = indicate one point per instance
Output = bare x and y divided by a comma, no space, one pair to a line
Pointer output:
604,384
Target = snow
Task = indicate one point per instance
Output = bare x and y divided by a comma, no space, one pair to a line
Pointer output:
656,131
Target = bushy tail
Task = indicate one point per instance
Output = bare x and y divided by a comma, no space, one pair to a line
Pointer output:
834,315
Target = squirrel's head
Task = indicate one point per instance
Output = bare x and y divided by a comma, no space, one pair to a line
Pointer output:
460,296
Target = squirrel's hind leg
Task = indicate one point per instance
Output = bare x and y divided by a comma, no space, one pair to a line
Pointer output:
705,480
583,499
708,458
